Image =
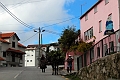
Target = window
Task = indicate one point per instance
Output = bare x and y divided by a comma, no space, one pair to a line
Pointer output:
86,17
111,46
85,35
100,26
4,54
13,37
105,50
106,1
91,33
27,60
88,34
98,51
92,53
31,55
0,48
30,60
13,44
110,16
21,57
95,9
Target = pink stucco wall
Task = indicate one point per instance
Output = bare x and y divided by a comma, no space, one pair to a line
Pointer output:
103,10
72,54
102,14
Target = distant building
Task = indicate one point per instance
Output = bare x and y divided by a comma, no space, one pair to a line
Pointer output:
11,51
32,55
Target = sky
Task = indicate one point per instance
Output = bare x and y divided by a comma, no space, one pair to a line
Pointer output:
53,16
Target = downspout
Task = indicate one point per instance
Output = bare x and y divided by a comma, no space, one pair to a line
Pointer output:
119,18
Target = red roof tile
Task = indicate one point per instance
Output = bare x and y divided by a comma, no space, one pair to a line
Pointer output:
2,40
1,59
9,35
19,44
14,50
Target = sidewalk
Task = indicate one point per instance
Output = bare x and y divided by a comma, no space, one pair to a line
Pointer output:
64,72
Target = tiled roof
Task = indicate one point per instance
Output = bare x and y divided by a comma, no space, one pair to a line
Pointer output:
2,40
20,45
14,50
36,46
1,59
8,35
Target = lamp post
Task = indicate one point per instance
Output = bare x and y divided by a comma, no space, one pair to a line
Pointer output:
39,36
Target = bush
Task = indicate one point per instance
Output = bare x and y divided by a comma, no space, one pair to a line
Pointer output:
72,76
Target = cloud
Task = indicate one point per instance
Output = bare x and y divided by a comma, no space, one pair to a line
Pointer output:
36,14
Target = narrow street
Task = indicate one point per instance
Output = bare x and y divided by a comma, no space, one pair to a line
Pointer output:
27,73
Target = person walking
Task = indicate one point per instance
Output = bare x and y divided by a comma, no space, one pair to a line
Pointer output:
43,63
69,63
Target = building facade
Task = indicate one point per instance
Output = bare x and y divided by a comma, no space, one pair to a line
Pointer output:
32,55
11,51
101,24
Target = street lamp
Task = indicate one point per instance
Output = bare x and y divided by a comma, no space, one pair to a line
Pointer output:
39,32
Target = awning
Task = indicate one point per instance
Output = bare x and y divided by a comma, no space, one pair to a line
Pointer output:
15,51
1,59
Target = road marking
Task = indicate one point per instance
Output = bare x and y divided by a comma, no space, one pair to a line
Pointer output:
18,74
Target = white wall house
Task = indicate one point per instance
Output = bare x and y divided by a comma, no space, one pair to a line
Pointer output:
11,51
32,55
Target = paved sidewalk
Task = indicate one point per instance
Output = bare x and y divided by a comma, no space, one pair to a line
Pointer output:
64,72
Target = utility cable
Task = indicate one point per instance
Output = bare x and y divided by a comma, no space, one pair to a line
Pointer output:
21,3
62,21
20,21
29,38
52,32
26,2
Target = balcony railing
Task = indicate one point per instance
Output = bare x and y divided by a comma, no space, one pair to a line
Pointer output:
112,50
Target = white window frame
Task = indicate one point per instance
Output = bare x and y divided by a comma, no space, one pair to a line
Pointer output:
91,32
86,35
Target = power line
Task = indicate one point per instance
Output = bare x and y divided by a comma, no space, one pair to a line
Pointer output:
53,32
62,21
20,21
21,3
29,38
27,2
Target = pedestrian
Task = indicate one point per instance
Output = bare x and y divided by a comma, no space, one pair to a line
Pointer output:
69,63
55,64
43,63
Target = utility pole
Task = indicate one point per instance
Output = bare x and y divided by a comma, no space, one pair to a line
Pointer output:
39,47
39,31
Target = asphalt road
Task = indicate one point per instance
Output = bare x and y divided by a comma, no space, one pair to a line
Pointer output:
27,73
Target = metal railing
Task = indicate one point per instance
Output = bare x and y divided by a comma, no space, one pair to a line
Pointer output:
112,50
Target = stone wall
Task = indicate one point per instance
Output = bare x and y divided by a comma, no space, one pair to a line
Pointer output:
106,68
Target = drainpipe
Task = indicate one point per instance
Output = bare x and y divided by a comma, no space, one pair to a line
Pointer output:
119,18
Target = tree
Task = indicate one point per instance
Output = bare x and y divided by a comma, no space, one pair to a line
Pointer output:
68,37
83,46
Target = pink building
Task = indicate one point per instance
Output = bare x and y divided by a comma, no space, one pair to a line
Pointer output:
100,20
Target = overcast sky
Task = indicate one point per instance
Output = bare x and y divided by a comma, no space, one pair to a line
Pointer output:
53,15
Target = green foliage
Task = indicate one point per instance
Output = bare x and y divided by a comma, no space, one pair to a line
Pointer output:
72,77
55,55
68,37
83,46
